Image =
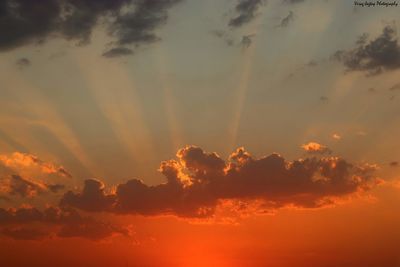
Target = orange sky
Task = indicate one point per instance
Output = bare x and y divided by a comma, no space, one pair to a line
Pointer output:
185,133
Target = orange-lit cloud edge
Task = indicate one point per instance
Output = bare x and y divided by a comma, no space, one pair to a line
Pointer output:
200,187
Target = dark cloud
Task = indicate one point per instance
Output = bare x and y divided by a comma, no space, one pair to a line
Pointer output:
117,52
312,63
394,163
374,56
23,22
92,198
246,10
17,185
29,223
225,36
137,27
324,99
246,40
130,21
286,20
23,63
198,182
24,233
25,188
293,1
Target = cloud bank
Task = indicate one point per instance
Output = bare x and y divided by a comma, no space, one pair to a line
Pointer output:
197,182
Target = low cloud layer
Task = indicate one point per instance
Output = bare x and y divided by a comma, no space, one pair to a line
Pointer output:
197,182
28,223
373,56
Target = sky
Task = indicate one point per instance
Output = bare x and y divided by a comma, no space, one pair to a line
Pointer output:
199,133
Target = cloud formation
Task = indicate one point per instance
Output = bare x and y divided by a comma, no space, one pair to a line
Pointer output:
29,223
129,21
118,52
286,20
374,56
197,182
246,12
17,185
23,63
316,148
17,161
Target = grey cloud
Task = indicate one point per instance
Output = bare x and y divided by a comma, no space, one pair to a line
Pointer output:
23,62
247,40
137,27
374,56
286,20
246,10
24,22
117,52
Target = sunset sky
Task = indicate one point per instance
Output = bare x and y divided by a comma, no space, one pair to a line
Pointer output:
179,133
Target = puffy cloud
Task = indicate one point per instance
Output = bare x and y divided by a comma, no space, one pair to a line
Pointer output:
336,136
316,148
92,198
246,10
374,56
130,21
198,182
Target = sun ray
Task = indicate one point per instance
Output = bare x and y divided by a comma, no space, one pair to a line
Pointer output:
169,102
241,90
114,91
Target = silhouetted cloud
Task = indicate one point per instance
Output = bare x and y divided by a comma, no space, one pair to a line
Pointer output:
137,26
224,35
117,52
375,56
394,163
23,63
246,40
17,185
286,20
246,10
29,223
324,99
198,182
24,233
293,1
130,21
